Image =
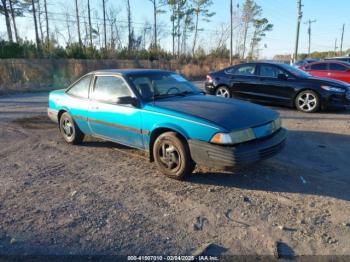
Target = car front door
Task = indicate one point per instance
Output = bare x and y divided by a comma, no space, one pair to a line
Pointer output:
339,72
111,119
276,85
243,81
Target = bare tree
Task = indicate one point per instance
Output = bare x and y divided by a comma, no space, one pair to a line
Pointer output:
7,18
157,5
39,20
13,16
200,9
104,22
250,11
78,22
47,22
90,27
37,39
115,29
130,29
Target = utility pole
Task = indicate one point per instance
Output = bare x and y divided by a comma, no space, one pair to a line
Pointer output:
335,47
299,17
309,33
231,34
341,42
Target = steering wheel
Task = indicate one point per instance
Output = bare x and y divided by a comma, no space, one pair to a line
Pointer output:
173,88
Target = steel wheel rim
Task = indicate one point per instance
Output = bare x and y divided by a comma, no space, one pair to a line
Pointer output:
169,156
307,102
67,128
223,92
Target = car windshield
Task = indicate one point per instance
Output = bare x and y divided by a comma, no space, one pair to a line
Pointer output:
295,71
163,85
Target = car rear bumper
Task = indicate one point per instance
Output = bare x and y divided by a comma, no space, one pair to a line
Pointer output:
53,114
210,155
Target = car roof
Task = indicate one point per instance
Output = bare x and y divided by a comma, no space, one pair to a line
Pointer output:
132,71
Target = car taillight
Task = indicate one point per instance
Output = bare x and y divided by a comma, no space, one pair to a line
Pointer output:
209,78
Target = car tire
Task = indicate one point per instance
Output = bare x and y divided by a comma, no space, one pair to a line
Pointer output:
172,156
307,101
69,130
223,91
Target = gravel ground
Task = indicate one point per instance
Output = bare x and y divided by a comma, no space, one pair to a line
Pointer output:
103,198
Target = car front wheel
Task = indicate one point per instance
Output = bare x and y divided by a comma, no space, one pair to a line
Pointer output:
172,156
69,130
223,91
307,101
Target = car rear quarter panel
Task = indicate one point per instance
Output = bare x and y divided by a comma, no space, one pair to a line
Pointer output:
59,100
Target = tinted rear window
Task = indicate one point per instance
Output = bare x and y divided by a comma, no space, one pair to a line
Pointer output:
337,67
319,67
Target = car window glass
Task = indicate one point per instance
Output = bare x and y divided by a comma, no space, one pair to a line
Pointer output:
319,67
270,71
230,70
81,88
246,70
337,67
110,88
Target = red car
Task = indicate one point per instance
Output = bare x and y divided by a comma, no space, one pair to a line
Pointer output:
329,69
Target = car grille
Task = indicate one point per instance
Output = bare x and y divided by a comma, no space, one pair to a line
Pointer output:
347,95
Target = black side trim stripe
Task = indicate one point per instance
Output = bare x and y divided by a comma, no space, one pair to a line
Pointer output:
99,122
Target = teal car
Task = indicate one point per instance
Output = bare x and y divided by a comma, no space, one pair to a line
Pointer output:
166,115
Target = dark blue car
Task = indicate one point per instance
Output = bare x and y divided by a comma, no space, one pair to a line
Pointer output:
163,113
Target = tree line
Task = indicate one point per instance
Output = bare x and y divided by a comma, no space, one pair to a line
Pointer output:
91,33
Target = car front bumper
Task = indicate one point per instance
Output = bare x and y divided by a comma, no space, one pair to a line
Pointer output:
209,88
211,155
341,101
53,114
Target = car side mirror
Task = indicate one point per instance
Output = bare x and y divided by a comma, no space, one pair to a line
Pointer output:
127,100
282,77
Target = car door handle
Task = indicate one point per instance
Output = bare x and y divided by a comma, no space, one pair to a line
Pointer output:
94,107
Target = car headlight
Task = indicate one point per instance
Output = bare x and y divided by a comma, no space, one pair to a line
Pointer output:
333,89
233,137
276,124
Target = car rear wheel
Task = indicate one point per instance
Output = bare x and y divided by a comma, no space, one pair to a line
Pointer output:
223,91
307,101
172,156
69,130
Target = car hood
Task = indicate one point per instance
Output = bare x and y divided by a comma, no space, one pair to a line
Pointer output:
326,81
230,114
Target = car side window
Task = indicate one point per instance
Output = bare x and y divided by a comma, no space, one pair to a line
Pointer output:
110,88
270,71
230,70
81,88
246,70
337,67
320,67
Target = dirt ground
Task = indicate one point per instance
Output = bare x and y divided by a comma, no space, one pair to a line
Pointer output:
103,198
